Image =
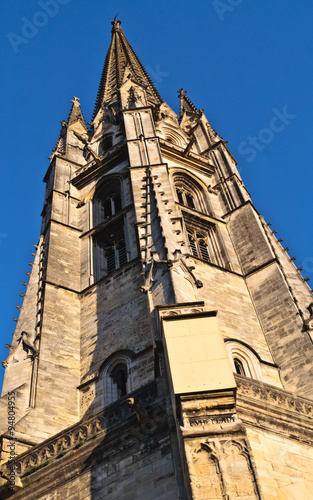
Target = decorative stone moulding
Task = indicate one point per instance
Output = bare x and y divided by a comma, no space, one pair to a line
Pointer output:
111,417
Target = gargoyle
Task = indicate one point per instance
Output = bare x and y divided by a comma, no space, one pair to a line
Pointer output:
140,412
308,323
25,349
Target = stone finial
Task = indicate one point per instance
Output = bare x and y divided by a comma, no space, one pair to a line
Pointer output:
116,25
181,92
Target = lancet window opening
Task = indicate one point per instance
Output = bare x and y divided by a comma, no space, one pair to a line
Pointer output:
191,193
239,368
185,197
110,249
105,144
204,240
116,379
119,377
199,245
244,361
109,245
107,200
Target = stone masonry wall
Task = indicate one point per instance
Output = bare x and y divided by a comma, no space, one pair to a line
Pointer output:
114,316
285,466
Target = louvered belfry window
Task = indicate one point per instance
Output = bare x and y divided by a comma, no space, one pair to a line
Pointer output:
204,236
199,245
185,198
204,240
110,249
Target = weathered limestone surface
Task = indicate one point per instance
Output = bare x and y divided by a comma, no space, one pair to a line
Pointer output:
146,222
284,466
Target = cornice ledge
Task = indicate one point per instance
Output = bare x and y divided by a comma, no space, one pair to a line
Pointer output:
110,418
274,397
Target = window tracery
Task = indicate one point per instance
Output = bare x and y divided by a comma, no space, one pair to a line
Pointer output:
204,238
110,249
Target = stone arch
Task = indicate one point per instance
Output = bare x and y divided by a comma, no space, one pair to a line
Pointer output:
194,187
173,136
105,143
206,474
115,372
107,198
242,355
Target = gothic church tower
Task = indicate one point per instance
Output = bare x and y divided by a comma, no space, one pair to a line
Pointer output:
164,347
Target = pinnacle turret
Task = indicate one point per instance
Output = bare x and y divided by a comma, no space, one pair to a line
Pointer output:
76,113
185,103
75,116
122,59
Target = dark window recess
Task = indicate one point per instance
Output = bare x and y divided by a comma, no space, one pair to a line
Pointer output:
106,144
112,205
107,207
110,257
189,200
203,250
107,201
185,198
199,247
110,251
239,367
122,253
119,378
180,197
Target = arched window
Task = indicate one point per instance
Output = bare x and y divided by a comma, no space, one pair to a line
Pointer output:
111,205
105,144
107,200
204,237
109,246
239,367
119,381
199,246
204,240
185,198
243,359
116,378
191,193
109,249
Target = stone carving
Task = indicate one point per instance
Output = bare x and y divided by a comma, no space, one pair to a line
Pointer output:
112,416
308,323
179,260
149,281
134,97
211,420
141,413
25,349
183,310
86,398
273,395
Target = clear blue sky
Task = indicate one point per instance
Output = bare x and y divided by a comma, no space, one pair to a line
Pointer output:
245,62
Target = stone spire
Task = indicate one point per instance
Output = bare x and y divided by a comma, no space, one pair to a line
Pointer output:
75,116
185,103
190,117
121,58
76,113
